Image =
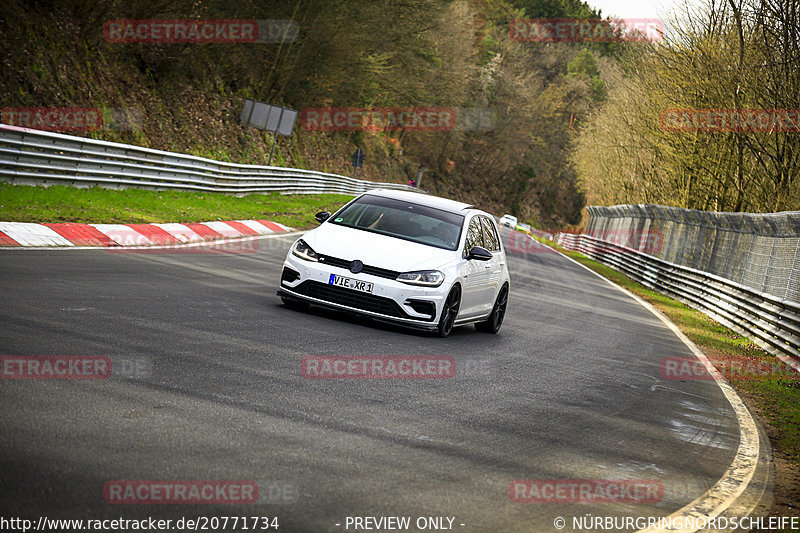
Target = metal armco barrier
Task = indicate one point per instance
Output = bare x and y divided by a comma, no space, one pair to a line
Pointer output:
758,250
33,157
773,323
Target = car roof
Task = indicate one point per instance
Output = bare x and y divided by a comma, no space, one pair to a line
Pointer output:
422,199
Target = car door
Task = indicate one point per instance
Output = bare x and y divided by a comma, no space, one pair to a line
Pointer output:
494,267
474,272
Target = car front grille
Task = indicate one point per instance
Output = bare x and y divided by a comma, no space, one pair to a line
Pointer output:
372,270
350,298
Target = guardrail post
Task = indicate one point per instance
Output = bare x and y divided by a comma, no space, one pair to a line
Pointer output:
768,270
698,248
745,265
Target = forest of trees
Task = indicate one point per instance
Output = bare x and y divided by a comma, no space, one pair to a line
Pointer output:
728,55
572,122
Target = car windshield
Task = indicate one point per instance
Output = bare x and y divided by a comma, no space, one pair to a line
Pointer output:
404,220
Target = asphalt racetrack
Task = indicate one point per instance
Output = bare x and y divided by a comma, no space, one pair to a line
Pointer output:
570,389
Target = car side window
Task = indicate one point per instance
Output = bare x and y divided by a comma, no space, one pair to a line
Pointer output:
490,239
474,235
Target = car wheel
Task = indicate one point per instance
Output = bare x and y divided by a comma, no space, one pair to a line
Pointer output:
297,305
495,320
450,311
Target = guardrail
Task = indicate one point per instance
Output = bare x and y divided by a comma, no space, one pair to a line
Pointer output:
34,157
759,250
773,323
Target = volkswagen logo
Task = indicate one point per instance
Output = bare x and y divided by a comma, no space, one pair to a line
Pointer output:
356,266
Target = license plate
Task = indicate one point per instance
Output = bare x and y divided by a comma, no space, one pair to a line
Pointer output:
350,283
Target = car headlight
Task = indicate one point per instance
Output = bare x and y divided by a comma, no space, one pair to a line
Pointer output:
302,250
426,278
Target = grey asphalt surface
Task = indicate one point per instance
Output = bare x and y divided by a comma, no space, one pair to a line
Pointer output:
569,389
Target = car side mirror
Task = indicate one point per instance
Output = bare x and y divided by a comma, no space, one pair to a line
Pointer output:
480,253
322,216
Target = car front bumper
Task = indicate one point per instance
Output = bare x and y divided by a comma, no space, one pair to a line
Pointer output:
390,300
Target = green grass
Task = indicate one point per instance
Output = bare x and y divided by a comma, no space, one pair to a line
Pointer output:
774,396
21,203
778,400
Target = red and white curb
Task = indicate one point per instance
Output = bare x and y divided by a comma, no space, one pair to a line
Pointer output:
13,234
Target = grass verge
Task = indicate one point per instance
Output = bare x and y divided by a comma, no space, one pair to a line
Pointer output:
769,388
22,203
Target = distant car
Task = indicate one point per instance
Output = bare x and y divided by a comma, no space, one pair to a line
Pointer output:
526,228
508,221
402,257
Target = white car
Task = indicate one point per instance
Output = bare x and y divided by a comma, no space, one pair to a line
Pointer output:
508,221
403,257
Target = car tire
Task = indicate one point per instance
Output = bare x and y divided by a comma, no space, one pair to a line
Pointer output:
450,311
495,320
297,305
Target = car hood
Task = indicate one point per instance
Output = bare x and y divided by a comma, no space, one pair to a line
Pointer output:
375,249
